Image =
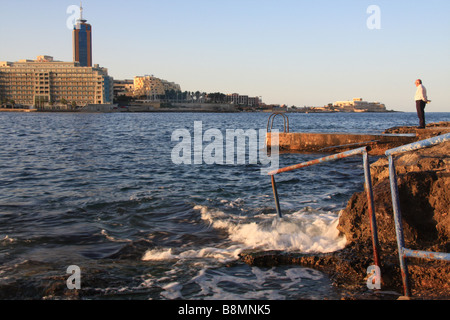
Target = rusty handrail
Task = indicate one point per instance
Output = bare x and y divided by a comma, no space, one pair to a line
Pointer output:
367,184
402,250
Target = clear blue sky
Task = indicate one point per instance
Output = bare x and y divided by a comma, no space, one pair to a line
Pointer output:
293,52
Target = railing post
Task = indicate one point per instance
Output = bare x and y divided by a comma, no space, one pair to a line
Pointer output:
404,252
275,195
399,227
371,206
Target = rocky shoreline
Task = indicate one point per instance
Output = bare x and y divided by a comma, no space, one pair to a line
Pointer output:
424,184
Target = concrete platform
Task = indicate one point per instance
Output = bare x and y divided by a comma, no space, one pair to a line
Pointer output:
338,142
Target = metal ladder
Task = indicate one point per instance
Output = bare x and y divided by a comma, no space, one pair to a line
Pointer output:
285,119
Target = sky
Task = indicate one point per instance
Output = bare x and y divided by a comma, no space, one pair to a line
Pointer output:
293,52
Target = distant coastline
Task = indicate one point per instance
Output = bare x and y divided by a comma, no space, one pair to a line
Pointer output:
178,110
198,108
17,110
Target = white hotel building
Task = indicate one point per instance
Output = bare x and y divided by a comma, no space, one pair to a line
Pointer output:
45,82
358,105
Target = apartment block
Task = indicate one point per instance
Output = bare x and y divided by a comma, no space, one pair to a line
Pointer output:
123,88
44,81
151,86
243,100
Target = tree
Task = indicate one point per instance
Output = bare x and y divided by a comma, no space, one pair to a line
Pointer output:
217,97
171,94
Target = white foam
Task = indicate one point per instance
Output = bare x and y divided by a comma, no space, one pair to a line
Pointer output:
111,238
158,255
217,254
253,283
7,239
172,291
306,230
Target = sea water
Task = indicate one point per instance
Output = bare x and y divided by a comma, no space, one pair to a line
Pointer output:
101,192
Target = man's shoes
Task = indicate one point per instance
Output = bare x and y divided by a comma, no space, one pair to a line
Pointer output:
420,127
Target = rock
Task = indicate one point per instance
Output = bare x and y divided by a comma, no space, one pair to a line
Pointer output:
431,130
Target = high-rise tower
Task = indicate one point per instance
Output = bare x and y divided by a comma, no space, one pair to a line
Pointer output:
82,41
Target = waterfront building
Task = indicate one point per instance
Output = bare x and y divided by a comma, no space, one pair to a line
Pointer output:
358,105
254,101
232,98
82,41
45,82
243,100
123,88
151,87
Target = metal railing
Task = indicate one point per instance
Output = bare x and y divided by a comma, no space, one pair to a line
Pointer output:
402,250
367,184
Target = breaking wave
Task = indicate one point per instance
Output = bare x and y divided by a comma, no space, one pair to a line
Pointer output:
307,231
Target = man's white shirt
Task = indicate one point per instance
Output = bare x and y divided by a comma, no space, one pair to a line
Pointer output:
421,93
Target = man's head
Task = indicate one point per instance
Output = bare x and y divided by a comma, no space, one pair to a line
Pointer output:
418,82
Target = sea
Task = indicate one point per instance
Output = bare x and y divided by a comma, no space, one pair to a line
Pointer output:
130,206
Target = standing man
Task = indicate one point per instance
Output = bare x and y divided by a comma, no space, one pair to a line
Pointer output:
421,101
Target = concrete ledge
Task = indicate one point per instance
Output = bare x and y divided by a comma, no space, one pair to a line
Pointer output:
338,142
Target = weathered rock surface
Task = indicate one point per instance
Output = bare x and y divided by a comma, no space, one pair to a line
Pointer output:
424,193
423,184
431,130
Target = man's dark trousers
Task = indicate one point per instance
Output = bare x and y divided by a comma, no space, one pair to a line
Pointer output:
420,106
